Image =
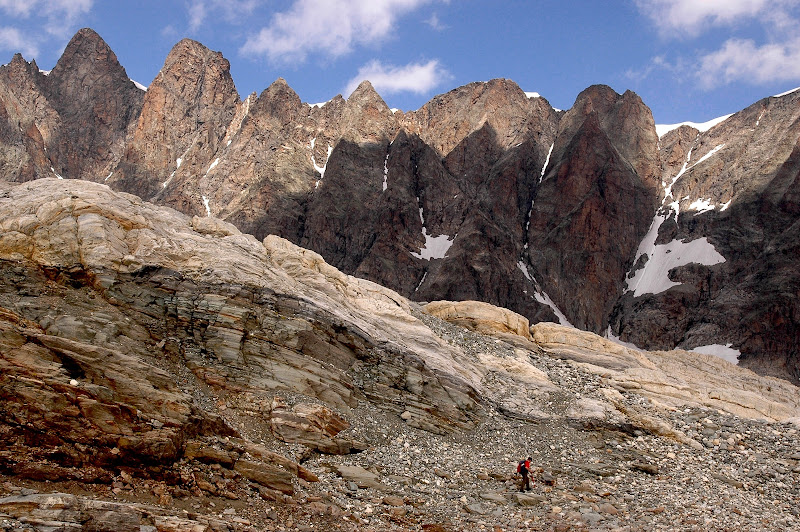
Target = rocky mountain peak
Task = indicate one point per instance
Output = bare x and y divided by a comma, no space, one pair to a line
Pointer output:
96,101
27,122
366,95
366,117
448,119
185,115
625,120
19,66
280,101
86,47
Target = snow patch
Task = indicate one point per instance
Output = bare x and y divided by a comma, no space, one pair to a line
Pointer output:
55,173
724,352
654,277
179,161
205,204
319,105
45,72
663,129
702,205
787,92
435,247
524,269
139,85
320,169
533,95
108,177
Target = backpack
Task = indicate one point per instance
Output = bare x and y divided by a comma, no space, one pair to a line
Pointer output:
521,467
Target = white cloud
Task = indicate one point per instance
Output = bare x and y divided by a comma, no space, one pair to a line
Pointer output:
12,39
233,11
434,22
62,15
418,78
59,16
692,16
740,58
744,60
197,15
16,8
332,27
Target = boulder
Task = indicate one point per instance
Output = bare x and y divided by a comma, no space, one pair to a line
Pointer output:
480,317
315,426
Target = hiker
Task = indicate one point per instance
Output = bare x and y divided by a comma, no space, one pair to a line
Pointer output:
523,468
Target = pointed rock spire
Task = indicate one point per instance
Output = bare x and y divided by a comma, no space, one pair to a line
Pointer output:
279,101
187,110
366,116
91,92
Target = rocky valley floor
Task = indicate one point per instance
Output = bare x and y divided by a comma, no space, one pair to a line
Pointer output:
588,476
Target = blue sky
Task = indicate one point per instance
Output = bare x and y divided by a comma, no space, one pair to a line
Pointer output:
688,59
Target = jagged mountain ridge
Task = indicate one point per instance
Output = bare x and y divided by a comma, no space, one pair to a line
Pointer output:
483,193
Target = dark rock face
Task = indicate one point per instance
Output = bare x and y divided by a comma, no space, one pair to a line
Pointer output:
483,193
97,104
72,123
738,190
593,207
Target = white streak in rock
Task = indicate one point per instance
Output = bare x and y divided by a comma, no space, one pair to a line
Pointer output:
320,169
386,173
205,203
213,165
546,162
424,276
544,299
